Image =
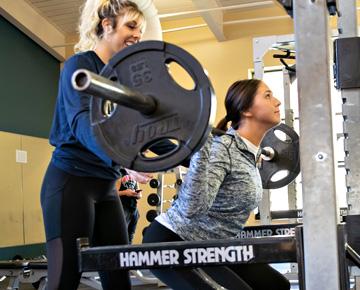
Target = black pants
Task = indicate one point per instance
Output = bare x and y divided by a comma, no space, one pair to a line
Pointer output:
76,207
132,217
239,277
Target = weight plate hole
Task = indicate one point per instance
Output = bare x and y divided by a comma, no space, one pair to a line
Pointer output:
281,174
281,135
108,108
179,74
146,152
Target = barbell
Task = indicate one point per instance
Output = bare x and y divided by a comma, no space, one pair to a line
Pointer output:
148,106
138,105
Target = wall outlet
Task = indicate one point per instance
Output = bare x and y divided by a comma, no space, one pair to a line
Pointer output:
21,156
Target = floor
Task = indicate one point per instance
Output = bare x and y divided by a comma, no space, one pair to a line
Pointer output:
137,282
27,286
137,285
4,284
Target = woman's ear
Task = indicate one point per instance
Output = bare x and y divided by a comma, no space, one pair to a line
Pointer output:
106,25
247,114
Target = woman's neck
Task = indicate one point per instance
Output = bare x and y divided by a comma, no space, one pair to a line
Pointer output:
103,52
253,132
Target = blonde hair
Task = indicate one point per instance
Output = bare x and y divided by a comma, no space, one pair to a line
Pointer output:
94,11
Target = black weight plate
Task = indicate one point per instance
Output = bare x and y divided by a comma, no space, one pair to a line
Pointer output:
286,157
151,215
153,199
178,182
154,183
181,114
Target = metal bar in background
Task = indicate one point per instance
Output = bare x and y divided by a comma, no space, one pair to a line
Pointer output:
289,113
299,237
312,35
160,192
264,208
347,25
261,46
344,272
296,214
289,120
260,49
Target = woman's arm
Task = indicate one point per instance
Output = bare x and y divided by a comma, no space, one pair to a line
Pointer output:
77,107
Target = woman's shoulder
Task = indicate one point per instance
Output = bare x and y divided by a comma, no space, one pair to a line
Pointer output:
84,59
89,54
223,140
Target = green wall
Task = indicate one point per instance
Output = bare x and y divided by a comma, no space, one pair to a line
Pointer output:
28,83
29,251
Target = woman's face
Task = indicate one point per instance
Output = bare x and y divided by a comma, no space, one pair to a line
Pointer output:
265,108
125,33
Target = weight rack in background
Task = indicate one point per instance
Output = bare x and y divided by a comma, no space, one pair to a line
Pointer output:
157,199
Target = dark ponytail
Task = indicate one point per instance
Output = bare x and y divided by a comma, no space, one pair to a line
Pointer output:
222,125
239,98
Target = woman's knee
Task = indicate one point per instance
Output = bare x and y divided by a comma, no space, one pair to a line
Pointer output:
149,235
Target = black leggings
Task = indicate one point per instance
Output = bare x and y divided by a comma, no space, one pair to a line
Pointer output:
232,277
76,207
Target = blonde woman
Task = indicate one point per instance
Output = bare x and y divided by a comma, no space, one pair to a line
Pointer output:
78,194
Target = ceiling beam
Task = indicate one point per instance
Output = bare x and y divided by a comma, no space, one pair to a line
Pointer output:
214,19
261,4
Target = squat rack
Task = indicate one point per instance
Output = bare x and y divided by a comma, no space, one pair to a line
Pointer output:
312,38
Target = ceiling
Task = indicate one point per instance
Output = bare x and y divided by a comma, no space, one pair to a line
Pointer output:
64,14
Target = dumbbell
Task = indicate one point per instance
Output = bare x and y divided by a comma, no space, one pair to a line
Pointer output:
151,215
154,183
154,199
178,182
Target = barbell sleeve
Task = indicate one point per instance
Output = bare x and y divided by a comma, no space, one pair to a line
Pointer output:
268,153
98,86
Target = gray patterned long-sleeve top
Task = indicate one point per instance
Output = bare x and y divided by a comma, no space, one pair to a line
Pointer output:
220,190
